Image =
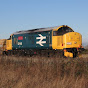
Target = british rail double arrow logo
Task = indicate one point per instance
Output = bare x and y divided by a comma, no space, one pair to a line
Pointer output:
41,42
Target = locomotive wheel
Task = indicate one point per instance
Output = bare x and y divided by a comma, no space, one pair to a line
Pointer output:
4,53
75,54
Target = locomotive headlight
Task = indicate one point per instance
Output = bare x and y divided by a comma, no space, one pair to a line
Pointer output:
69,43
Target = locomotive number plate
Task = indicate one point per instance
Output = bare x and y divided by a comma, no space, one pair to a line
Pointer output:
19,43
69,43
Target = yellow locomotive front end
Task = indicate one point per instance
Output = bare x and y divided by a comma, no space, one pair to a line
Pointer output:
64,38
72,42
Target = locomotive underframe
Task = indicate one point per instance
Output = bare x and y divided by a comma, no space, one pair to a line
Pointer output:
31,52
67,52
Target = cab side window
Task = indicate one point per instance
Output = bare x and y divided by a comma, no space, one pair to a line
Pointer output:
54,33
62,31
58,33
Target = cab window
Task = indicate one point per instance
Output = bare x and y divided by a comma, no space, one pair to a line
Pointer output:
54,33
62,31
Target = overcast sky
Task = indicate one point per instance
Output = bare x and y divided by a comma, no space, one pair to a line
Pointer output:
16,15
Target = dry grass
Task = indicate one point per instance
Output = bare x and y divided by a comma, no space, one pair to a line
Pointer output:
43,72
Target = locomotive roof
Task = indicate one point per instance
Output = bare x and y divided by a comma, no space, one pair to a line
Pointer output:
39,30
35,30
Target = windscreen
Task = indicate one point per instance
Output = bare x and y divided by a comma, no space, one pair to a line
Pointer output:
62,31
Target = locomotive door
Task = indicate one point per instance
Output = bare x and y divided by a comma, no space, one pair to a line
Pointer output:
57,40
60,42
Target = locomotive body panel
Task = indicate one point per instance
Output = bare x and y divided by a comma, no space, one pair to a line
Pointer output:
57,42
9,44
38,40
72,40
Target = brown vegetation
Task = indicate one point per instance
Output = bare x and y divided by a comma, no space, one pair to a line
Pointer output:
43,72
1,41
1,45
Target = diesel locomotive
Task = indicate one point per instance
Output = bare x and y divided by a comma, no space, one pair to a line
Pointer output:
44,39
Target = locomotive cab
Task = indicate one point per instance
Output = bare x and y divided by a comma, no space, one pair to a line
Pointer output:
66,39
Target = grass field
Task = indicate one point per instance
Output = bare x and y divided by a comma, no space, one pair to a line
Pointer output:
43,72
